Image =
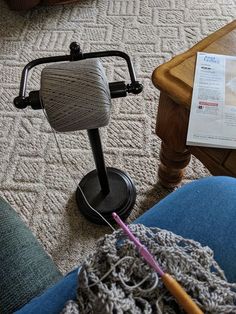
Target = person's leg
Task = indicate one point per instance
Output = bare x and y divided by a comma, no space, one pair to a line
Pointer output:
25,269
205,211
53,300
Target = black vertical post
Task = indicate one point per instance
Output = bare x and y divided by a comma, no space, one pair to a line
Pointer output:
95,142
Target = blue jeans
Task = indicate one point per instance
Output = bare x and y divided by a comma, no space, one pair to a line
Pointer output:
204,210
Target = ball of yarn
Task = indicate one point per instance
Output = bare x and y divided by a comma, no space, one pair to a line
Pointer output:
76,95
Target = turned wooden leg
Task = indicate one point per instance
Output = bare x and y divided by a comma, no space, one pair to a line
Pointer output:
171,127
171,168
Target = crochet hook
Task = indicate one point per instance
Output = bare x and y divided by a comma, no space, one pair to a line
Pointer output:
171,284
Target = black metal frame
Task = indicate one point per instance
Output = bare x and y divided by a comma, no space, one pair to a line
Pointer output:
96,145
118,89
107,177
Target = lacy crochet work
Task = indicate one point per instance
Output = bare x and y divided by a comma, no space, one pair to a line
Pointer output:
124,289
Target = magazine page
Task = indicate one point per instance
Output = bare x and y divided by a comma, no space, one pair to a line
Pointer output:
212,120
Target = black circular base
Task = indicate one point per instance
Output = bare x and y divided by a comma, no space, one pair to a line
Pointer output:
120,199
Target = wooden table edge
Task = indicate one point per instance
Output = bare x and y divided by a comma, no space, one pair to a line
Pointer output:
175,89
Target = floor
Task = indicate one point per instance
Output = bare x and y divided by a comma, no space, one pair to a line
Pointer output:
32,177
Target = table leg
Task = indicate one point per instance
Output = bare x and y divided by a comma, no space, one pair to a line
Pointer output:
171,168
171,127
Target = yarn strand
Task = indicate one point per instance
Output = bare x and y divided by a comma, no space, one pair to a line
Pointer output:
67,168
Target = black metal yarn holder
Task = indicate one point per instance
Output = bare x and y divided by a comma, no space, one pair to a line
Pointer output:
104,189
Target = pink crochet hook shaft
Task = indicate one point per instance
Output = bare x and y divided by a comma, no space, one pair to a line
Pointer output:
141,248
171,284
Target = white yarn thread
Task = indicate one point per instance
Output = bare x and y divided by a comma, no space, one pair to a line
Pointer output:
60,119
122,259
125,257
64,164
76,95
107,222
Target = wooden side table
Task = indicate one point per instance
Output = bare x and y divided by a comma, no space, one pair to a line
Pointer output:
175,81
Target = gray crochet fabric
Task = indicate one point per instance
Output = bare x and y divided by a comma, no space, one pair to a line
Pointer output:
71,308
192,265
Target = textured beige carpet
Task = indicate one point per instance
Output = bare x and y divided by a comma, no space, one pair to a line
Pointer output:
32,177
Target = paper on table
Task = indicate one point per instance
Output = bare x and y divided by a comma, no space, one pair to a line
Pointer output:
212,119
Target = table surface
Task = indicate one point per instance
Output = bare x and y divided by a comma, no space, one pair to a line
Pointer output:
175,77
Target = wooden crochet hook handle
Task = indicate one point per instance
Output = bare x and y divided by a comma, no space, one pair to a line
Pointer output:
181,295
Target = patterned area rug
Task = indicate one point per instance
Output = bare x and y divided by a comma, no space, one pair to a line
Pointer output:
32,177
